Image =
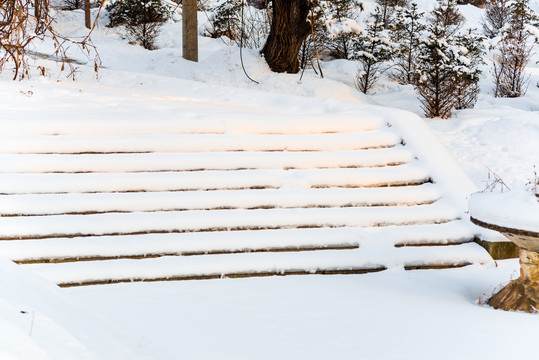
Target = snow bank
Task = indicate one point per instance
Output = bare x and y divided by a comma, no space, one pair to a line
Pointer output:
38,321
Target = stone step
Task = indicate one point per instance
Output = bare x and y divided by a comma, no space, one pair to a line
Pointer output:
256,264
222,242
79,144
157,162
210,122
29,227
408,174
95,203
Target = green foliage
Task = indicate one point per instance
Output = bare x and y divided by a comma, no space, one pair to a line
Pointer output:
407,34
514,52
372,49
387,11
496,16
225,20
142,19
339,26
448,64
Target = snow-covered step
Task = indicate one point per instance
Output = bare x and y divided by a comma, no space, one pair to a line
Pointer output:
84,203
406,174
257,264
212,220
191,123
73,144
441,234
148,162
149,245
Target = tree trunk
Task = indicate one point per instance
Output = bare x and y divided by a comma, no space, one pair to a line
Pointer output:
289,28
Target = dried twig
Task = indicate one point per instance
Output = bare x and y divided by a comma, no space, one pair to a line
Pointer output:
24,21
493,182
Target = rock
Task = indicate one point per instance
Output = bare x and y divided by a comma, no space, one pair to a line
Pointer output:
521,294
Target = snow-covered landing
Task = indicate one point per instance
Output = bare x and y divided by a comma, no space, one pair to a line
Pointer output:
101,195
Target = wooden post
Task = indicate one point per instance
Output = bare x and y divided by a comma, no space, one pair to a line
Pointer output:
87,16
190,30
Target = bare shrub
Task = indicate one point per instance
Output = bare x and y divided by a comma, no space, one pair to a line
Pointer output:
25,21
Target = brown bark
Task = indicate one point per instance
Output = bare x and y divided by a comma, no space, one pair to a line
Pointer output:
289,28
87,16
190,34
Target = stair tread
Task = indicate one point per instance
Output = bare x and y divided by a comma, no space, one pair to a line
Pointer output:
252,263
44,204
208,220
209,122
454,232
13,183
36,144
145,162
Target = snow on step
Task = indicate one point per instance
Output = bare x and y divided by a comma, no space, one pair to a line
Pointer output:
454,232
170,267
32,163
412,173
199,123
449,233
39,144
178,243
48,204
203,220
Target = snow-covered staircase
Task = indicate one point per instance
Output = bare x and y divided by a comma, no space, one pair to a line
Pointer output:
90,201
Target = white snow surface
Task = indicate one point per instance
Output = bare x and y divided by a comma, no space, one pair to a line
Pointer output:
39,321
395,314
388,315
512,209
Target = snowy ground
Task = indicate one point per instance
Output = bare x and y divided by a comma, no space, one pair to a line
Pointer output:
389,315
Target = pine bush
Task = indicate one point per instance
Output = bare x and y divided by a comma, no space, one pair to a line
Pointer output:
372,49
225,20
448,64
407,34
514,52
142,19
339,26
497,15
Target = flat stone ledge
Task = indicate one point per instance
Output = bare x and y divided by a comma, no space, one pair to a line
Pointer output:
499,250
523,239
